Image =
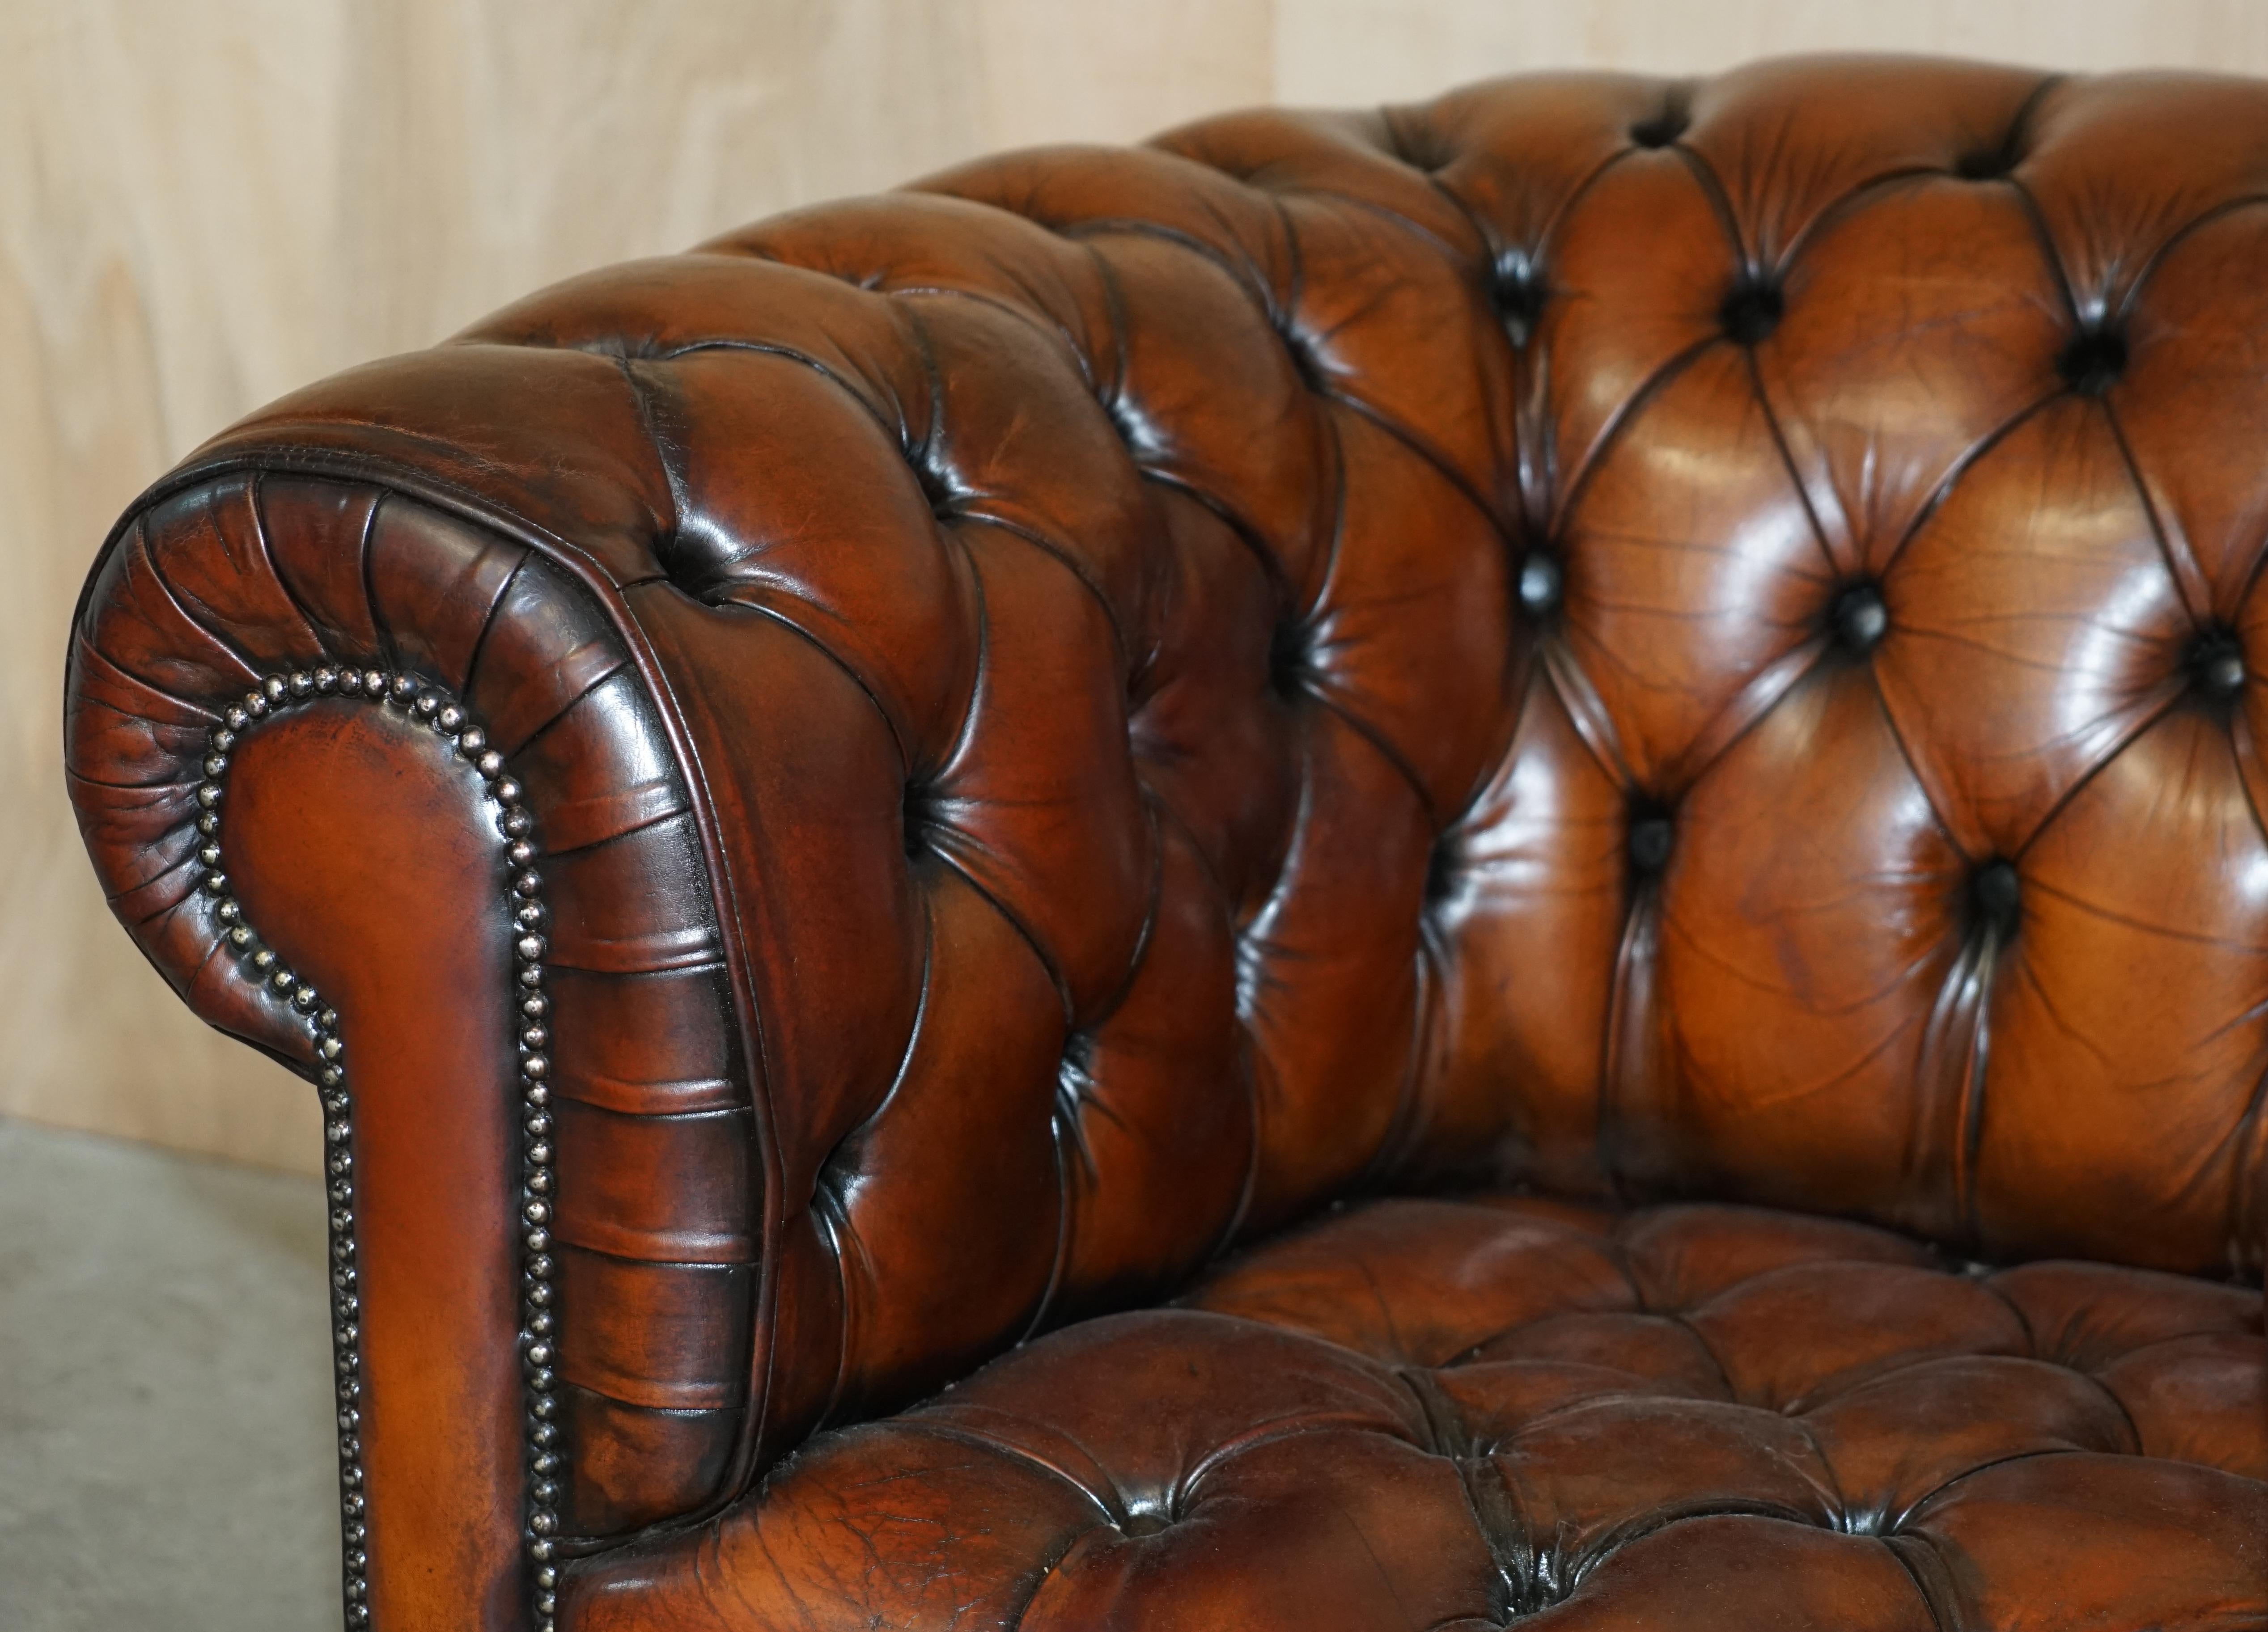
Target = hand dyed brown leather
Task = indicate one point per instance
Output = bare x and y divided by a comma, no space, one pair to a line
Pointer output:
1537,822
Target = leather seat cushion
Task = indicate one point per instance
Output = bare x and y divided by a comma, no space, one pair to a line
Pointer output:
1457,1414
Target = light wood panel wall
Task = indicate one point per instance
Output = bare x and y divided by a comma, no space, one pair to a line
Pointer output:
1335,51
204,202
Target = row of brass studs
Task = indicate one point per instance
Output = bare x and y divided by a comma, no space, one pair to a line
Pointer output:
525,888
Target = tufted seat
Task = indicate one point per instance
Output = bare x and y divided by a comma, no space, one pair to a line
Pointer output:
840,819
1470,1414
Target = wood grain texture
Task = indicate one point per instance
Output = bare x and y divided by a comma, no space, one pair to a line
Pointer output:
205,203
1335,51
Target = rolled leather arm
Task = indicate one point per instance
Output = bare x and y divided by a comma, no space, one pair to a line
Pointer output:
379,790
986,734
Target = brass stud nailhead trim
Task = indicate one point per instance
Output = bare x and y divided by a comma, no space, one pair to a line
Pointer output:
522,889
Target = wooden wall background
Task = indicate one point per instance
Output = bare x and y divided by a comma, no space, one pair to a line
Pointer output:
204,202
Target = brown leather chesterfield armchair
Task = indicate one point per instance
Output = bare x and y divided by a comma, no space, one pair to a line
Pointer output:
1496,864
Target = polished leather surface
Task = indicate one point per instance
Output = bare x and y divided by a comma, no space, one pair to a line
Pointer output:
1636,640
436,1391
369,861
1470,1414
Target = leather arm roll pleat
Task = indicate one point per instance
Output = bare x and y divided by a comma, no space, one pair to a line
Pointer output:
365,851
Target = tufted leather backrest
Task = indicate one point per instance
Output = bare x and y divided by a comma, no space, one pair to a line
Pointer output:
1640,638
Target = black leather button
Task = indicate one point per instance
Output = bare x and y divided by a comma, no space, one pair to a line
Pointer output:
1859,618
1990,164
1305,362
1541,580
682,567
1752,309
2094,360
935,487
1518,293
1649,842
1074,1081
1996,900
2215,662
1289,662
1442,866
1663,129
919,815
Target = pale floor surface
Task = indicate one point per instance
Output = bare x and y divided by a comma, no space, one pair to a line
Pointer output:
165,1448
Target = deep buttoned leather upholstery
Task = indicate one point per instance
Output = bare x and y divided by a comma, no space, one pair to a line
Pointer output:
1622,640
1441,1413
